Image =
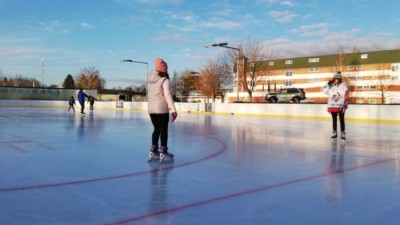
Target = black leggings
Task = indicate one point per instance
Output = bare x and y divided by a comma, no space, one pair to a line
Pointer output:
82,106
160,123
334,121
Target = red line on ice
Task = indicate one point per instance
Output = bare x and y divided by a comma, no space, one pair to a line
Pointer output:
246,192
220,151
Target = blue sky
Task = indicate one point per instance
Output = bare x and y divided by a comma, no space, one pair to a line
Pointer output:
75,34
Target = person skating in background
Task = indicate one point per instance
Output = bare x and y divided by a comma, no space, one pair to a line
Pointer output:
91,100
71,103
81,99
159,104
338,96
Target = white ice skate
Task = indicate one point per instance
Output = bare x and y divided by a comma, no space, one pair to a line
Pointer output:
343,136
154,154
165,156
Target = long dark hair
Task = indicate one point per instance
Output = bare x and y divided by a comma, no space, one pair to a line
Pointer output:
163,74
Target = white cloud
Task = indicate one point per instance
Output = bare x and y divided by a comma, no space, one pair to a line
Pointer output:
288,48
270,2
186,18
222,12
177,38
85,25
309,15
154,1
226,24
319,29
54,26
16,40
282,17
287,3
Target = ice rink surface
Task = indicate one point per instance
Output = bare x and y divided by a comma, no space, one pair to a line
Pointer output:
63,168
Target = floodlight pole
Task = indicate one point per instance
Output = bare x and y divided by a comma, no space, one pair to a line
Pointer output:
225,45
147,71
43,63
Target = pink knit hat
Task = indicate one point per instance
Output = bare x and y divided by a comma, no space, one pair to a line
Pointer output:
160,65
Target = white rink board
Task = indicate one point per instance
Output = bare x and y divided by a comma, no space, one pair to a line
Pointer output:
389,113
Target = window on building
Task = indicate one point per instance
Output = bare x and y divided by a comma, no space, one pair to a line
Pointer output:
354,76
289,73
288,62
288,82
313,79
314,69
271,63
313,60
364,56
395,68
359,67
394,77
351,67
372,101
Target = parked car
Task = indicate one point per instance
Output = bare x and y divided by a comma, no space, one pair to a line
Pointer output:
286,95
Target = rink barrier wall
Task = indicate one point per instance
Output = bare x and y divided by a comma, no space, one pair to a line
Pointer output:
356,113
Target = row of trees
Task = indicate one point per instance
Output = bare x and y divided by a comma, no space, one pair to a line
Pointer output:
87,78
217,74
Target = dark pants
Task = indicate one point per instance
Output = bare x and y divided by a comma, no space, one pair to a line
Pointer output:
160,123
82,106
334,121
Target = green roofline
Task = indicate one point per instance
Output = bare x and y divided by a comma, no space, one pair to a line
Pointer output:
374,57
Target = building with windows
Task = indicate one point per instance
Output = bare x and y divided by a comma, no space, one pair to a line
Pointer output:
372,77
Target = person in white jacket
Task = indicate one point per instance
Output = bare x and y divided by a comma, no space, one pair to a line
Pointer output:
160,103
338,96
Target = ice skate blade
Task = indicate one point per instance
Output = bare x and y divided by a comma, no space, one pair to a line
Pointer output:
163,161
153,158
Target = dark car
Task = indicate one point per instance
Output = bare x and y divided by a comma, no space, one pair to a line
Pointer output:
286,95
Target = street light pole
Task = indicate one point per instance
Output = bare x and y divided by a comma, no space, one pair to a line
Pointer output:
147,71
43,63
225,45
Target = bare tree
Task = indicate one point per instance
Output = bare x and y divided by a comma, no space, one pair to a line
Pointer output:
89,78
383,81
340,62
249,59
210,79
248,77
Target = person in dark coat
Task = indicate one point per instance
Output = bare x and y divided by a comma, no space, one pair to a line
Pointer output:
91,101
81,99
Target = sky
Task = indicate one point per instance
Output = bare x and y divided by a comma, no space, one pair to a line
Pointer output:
49,39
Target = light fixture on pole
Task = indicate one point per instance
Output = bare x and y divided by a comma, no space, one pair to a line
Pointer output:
147,69
43,63
225,45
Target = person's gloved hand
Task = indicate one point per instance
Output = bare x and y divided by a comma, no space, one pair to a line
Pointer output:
174,116
343,109
330,83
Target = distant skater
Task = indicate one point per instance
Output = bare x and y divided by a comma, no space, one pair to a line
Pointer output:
338,96
159,104
91,101
71,103
81,99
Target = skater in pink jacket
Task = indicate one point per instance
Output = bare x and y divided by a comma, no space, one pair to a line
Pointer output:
338,96
160,103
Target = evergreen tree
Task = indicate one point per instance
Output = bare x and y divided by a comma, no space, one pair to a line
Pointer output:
69,82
